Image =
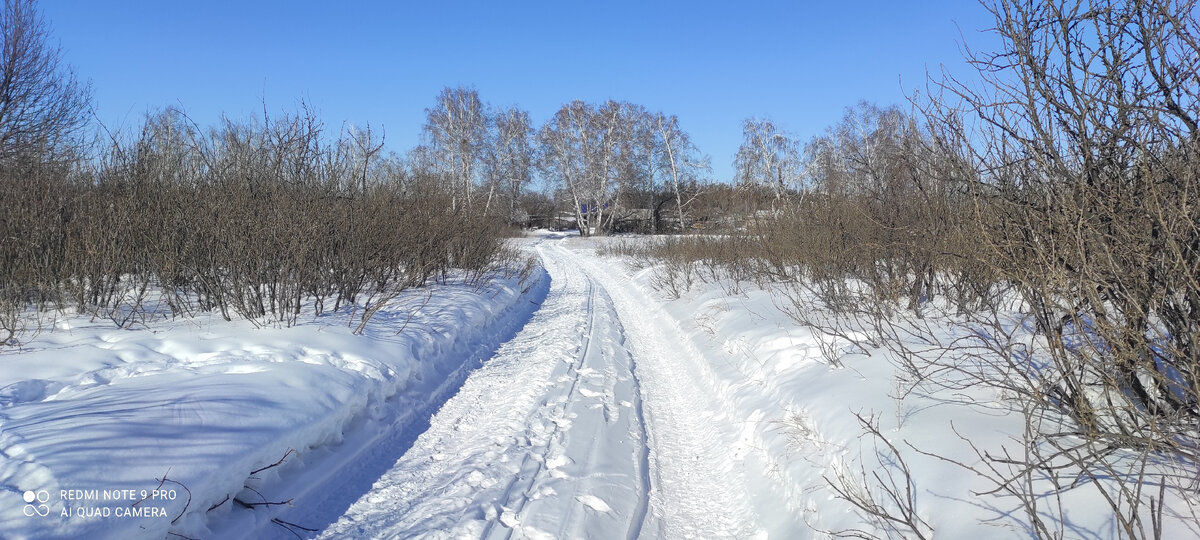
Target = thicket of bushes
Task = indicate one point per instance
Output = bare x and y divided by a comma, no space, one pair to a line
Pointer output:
1065,189
257,220
254,219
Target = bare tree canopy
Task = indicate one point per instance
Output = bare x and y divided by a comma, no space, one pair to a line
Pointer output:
508,158
679,158
768,157
457,130
42,105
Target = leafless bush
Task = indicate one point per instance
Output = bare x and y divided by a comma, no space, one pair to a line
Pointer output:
262,220
1075,183
675,276
882,489
1086,155
682,261
1063,188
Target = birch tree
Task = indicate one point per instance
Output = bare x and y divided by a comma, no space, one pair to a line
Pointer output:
565,144
583,148
612,171
456,131
679,159
509,158
768,157
603,156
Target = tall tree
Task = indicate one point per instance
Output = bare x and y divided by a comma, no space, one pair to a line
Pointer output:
593,153
678,157
604,156
768,157
456,128
509,158
565,155
42,106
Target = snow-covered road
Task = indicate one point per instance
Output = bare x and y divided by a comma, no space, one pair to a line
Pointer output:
586,424
569,402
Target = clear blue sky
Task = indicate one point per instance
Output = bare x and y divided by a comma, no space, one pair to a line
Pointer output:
711,63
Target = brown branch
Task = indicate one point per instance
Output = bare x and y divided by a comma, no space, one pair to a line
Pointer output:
276,464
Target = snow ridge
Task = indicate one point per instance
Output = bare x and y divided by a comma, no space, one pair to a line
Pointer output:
205,402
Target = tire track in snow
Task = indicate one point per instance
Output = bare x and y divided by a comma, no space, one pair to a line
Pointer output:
698,491
533,464
638,522
522,450
609,456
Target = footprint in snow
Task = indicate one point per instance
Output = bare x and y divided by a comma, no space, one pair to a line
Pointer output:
27,391
588,392
594,502
508,518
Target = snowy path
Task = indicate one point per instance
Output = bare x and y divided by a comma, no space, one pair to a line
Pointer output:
586,424
570,403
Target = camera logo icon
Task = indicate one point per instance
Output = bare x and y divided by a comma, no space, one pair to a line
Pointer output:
35,503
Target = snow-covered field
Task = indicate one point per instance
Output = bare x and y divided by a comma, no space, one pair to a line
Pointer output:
140,433
581,404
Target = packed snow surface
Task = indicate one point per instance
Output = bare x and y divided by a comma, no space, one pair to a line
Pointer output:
586,424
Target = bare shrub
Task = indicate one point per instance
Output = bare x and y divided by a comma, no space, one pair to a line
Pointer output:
1075,178
1063,189
263,220
881,488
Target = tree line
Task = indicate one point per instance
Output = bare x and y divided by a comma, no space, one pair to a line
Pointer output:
266,219
608,167
603,163
272,216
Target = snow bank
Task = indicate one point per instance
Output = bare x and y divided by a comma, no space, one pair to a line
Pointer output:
108,433
795,417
